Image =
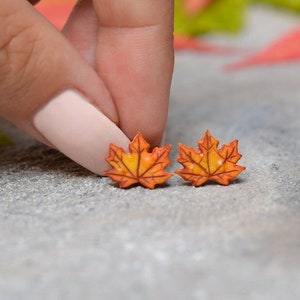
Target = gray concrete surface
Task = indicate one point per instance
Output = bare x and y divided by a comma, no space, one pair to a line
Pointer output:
67,234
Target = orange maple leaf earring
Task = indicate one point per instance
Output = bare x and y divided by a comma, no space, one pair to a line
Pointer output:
139,165
209,163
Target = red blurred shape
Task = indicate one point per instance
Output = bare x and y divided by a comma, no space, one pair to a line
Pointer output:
192,7
56,13
285,49
197,45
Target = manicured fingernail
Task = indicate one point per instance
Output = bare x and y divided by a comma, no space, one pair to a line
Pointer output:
79,130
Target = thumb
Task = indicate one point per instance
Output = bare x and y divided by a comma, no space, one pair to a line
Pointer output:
48,89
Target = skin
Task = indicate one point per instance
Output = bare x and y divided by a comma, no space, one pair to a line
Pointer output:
123,49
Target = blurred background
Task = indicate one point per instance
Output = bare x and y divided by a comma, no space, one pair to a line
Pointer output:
196,21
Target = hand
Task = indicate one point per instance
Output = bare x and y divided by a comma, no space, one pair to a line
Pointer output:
106,76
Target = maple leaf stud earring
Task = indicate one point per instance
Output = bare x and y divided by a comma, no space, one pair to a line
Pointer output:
139,165
209,163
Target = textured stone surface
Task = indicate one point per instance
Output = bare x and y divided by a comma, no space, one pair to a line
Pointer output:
67,234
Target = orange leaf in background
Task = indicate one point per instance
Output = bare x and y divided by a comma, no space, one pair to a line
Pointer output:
285,49
139,165
192,7
198,45
209,163
57,12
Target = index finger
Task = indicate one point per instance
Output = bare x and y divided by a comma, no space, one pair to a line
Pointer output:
135,59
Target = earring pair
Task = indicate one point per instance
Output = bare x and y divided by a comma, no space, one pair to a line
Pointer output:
140,166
